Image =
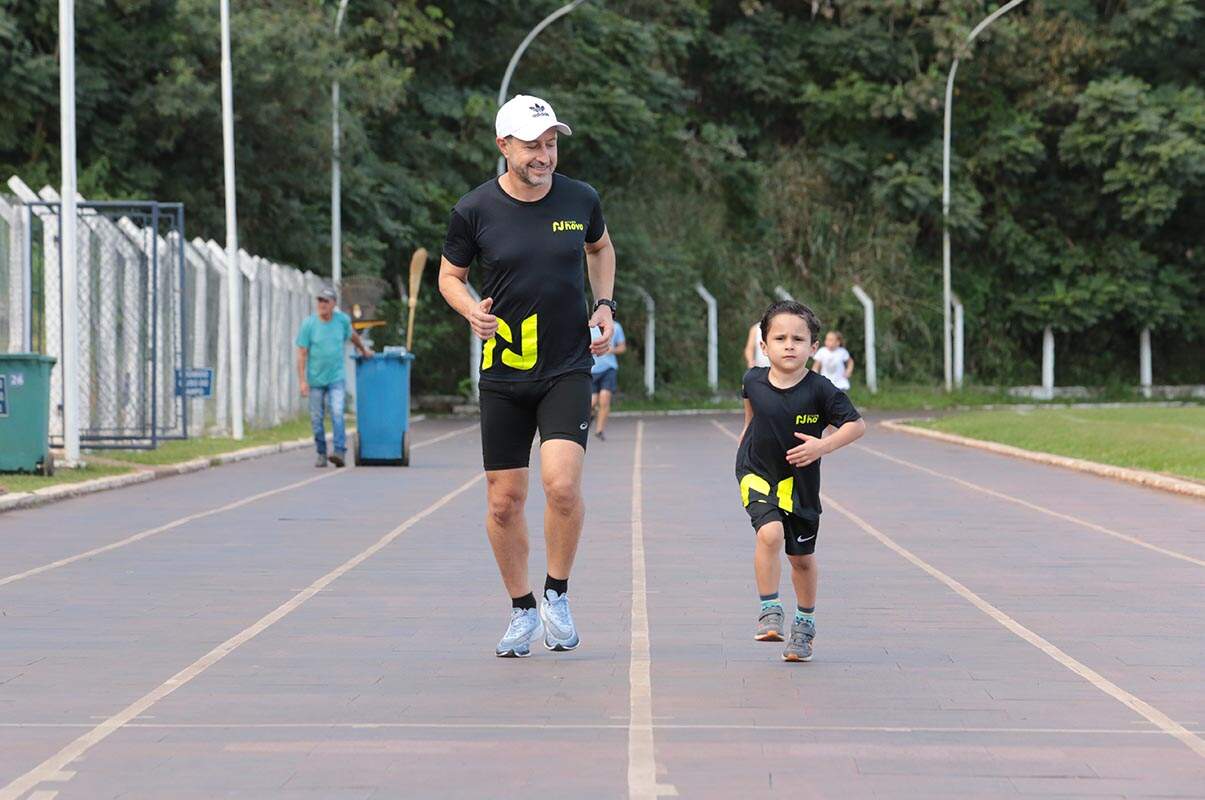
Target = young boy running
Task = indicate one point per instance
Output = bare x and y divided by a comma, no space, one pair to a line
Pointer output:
787,408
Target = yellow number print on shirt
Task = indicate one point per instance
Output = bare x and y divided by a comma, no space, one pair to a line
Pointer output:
525,358
784,492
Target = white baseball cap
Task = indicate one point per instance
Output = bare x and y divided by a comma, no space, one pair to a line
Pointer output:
527,118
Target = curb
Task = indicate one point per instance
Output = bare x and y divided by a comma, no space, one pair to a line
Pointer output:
143,473
1141,477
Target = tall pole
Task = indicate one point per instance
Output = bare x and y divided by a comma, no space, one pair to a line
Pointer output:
234,285
514,59
336,175
947,345
67,243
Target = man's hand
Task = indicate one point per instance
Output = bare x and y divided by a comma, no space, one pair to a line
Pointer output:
305,388
605,321
483,323
803,454
365,351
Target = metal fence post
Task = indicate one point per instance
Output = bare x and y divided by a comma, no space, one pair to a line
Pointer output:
650,341
713,338
1144,361
959,340
872,378
1048,363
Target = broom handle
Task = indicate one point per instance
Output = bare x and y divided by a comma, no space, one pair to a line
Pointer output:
410,324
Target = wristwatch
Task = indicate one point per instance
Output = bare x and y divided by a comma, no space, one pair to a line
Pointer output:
608,303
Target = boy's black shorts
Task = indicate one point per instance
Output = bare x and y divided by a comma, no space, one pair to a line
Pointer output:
800,534
511,411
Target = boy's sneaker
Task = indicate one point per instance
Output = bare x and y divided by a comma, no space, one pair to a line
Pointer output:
321,462
524,629
559,630
800,646
769,625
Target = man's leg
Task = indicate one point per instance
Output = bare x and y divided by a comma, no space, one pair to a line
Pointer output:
506,525
338,399
317,407
561,473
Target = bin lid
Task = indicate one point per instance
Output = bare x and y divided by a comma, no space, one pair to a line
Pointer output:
10,358
400,356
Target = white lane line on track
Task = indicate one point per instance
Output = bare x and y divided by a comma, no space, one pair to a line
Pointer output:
1165,723
149,532
1033,506
642,762
385,726
57,762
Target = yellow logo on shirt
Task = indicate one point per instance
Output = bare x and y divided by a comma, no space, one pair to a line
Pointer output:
525,358
806,419
567,225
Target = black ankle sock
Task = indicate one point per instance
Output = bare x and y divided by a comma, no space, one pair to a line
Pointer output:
526,601
558,585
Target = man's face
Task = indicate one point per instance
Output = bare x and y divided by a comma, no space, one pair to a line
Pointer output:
325,307
789,344
532,162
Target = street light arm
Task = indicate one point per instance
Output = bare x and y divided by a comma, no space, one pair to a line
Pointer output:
514,59
339,16
999,12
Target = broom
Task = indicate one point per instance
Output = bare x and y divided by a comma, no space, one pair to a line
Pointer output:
418,262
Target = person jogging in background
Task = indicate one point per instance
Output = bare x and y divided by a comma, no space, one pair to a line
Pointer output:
604,377
833,361
527,230
320,344
787,408
755,356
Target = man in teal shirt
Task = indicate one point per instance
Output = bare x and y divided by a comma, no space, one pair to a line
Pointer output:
320,366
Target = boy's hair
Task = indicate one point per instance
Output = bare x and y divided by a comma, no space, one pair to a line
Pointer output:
793,308
840,337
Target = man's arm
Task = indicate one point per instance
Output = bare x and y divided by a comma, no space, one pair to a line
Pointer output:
303,356
600,266
453,285
358,343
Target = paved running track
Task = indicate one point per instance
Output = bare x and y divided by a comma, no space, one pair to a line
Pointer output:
988,628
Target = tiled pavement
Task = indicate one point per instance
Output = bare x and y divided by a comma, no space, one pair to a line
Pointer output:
383,685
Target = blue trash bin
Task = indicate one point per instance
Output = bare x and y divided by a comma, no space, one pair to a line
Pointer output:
383,409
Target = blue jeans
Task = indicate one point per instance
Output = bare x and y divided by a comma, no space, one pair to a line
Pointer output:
333,396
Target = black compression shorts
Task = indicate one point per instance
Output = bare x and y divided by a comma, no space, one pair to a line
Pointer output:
512,411
799,534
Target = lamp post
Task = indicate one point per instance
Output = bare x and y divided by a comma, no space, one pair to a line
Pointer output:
234,283
67,223
514,59
945,194
336,175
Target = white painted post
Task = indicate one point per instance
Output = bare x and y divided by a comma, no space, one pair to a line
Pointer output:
1144,361
650,342
782,293
872,378
336,178
200,332
474,352
959,341
217,259
234,286
713,338
251,405
1048,363
70,298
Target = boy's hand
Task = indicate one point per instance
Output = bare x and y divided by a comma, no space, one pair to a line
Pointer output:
803,454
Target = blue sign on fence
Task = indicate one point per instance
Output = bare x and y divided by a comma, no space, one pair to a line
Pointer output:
3,396
194,382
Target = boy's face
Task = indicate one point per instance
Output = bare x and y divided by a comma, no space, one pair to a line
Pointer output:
831,341
789,344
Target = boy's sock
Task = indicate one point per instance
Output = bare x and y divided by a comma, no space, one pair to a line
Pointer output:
769,600
558,585
802,614
527,601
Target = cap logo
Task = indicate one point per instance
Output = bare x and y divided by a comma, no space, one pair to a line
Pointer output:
538,110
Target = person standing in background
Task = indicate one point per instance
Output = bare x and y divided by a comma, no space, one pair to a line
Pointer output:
833,361
755,354
604,377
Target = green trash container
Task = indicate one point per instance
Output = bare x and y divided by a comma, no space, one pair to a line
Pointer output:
25,413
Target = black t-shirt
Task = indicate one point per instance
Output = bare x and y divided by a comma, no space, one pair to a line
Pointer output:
530,255
808,407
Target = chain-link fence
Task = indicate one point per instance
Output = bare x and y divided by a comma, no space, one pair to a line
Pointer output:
153,319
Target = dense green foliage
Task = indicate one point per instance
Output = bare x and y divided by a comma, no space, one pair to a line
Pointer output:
745,144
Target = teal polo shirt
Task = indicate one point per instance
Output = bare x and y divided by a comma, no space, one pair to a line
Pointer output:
324,341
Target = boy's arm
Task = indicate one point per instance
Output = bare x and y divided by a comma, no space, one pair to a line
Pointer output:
811,448
748,417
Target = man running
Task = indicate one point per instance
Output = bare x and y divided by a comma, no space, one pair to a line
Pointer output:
528,229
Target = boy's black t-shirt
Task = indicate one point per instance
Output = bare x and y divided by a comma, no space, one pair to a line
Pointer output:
808,407
530,256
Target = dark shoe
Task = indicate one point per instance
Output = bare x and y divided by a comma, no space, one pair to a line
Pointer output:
337,459
602,435
321,462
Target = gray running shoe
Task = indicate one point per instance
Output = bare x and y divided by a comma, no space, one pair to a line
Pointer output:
559,631
524,629
321,462
800,646
769,625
